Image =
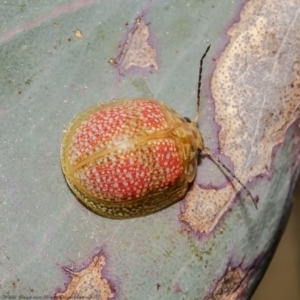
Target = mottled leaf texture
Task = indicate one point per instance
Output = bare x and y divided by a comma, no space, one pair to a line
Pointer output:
61,57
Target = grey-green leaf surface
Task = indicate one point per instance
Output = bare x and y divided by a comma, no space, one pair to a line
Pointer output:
55,63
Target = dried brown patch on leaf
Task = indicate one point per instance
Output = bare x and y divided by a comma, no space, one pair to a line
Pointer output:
203,208
136,50
88,283
232,285
256,88
79,34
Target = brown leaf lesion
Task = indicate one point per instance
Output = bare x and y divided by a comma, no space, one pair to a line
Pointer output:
136,51
232,284
87,283
255,87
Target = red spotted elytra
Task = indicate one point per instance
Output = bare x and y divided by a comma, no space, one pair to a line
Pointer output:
128,158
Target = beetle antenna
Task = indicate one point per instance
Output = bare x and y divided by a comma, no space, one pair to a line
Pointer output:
217,159
199,85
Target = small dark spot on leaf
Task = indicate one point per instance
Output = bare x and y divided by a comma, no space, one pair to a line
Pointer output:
158,286
22,7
